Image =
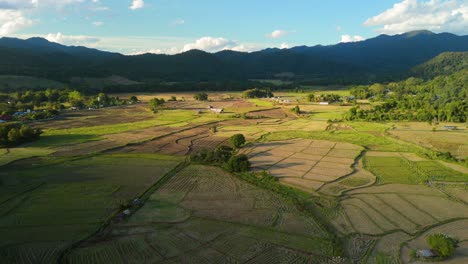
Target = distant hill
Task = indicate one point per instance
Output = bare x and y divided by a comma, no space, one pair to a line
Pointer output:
444,64
381,59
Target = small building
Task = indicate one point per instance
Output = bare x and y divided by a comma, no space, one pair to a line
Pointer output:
127,212
425,253
217,110
450,127
324,103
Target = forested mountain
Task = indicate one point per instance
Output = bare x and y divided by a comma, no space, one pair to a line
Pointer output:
380,59
444,64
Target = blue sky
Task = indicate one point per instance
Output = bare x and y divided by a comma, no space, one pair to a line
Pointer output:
172,26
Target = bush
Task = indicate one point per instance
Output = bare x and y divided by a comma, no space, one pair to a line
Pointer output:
133,99
296,110
201,97
237,140
442,244
311,97
238,163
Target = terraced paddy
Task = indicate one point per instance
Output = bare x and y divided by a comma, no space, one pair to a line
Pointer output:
203,214
307,164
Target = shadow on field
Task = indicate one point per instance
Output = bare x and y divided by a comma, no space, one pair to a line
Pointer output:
61,140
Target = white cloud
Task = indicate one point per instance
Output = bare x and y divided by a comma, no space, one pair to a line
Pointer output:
12,21
278,33
435,15
349,38
98,23
211,44
73,40
338,28
137,4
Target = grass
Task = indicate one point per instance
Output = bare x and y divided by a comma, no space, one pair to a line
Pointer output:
260,102
21,153
355,182
169,118
400,170
369,141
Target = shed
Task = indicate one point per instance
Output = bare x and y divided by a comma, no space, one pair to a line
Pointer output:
425,253
217,110
450,127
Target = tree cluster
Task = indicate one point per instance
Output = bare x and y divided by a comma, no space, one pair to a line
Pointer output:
257,93
443,99
13,135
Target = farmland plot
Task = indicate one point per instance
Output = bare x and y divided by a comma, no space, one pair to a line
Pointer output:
61,202
306,164
215,218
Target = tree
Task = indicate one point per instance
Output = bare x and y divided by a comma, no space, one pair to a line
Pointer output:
14,136
237,140
133,99
443,244
311,97
75,99
238,163
201,96
257,93
155,103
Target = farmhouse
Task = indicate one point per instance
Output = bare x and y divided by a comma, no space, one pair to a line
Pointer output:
425,253
217,110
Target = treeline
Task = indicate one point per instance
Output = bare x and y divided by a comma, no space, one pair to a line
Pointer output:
443,99
13,135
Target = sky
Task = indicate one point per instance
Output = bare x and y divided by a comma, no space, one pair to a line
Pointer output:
174,26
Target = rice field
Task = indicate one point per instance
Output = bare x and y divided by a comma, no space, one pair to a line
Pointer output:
307,164
203,214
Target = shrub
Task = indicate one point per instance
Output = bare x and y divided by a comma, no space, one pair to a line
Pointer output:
442,244
311,97
238,163
296,109
13,135
237,140
133,99
201,97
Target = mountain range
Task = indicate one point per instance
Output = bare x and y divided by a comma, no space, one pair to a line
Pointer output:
382,58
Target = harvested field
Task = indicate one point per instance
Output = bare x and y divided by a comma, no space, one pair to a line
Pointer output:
215,218
314,161
444,141
400,207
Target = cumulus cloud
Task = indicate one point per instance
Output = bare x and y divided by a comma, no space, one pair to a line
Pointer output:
435,15
278,33
137,4
211,44
349,38
73,40
12,21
